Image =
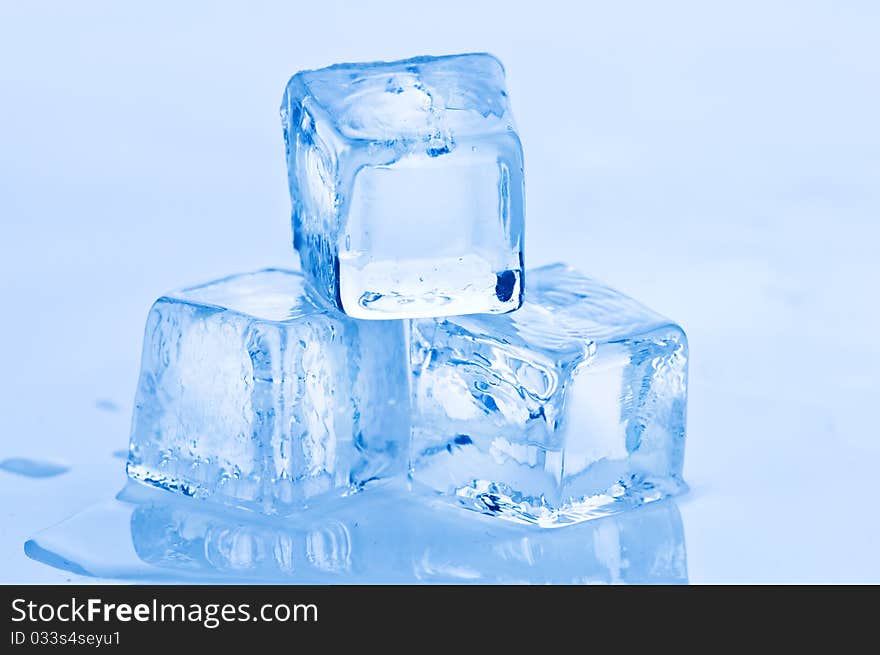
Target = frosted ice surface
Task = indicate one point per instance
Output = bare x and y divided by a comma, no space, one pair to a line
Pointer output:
571,408
254,393
406,184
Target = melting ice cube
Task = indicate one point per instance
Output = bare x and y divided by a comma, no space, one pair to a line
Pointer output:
407,186
254,393
571,408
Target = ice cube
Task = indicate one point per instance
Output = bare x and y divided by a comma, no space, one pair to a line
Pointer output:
255,394
407,186
571,408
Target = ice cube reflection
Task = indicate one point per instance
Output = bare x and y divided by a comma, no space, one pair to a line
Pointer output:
383,538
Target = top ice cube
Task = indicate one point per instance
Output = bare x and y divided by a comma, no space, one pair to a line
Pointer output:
407,186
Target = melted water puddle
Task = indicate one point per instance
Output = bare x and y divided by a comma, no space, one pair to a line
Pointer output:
107,405
33,468
380,537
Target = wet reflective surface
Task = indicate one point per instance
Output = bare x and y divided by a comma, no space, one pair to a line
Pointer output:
383,537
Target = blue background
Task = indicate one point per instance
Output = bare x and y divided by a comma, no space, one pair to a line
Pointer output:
719,161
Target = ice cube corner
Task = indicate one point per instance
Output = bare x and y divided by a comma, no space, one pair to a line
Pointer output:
406,182
569,409
253,393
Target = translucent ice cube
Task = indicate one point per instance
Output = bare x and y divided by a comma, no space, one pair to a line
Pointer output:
407,188
254,394
571,408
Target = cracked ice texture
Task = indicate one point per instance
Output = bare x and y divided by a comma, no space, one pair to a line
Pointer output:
571,408
407,186
255,394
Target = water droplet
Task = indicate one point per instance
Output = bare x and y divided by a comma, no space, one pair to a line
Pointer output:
32,468
106,405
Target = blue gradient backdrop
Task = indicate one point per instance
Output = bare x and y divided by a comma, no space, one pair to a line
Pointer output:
719,161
